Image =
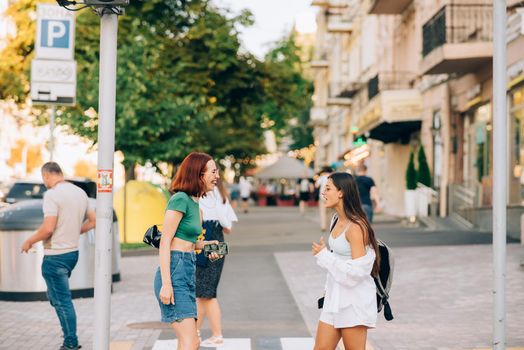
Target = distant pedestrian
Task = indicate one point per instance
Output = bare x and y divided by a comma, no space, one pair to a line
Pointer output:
367,190
245,192
174,282
66,216
235,194
304,192
350,305
321,184
218,216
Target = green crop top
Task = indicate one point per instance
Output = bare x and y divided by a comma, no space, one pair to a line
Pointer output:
189,227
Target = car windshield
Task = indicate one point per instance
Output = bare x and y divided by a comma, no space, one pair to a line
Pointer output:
21,191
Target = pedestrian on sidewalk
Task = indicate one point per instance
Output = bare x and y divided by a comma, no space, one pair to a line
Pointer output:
66,215
350,305
321,184
245,192
368,191
304,191
218,217
174,283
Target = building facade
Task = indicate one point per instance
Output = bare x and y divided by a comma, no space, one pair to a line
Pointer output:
419,73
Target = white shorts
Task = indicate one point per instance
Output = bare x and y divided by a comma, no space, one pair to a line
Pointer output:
346,318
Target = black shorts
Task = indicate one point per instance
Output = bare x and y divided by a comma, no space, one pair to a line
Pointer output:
304,196
245,199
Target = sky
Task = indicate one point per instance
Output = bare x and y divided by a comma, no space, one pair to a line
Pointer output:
273,19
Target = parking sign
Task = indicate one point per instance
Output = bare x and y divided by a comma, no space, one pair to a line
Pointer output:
55,33
53,71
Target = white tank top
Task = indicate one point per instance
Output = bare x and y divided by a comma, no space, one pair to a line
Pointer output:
340,245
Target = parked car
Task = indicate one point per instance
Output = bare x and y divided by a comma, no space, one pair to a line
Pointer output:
25,190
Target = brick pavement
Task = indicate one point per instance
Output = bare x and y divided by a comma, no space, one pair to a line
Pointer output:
429,298
441,297
33,325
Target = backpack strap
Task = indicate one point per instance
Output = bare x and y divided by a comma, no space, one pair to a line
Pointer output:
388,314
334,220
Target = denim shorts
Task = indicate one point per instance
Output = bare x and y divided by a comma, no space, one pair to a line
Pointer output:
182,268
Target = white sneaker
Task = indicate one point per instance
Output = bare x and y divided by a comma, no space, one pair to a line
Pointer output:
213,342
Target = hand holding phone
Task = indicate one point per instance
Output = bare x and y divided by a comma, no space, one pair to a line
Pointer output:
221,248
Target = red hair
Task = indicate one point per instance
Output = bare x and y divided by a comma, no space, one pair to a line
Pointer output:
188,178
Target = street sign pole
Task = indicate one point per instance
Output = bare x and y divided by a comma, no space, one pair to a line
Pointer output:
104,200
500,173
52,132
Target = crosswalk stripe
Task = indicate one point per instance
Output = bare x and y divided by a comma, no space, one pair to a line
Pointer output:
229,344
297,343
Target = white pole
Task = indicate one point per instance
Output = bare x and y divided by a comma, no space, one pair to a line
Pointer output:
104,201
52,133
500,172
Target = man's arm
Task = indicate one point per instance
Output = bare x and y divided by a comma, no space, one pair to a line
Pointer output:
44,232
90,222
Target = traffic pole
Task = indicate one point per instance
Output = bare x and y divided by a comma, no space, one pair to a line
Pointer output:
104,200
500,173
52,133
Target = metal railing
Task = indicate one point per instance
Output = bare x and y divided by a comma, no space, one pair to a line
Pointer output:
427,200
458,23
462,202
392,80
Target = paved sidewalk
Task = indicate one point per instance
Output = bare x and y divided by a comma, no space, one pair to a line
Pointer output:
441,297
34,325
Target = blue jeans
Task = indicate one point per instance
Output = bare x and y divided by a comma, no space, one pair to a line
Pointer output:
56,270
182,266
368,209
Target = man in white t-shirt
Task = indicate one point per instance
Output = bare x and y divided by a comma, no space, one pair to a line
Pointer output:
245,192
321,184
66,216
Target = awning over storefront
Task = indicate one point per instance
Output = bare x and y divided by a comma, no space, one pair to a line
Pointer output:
392,116
286,168
394,132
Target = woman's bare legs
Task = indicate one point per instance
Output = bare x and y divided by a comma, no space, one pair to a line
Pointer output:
186,333
211,308
354,338
327,337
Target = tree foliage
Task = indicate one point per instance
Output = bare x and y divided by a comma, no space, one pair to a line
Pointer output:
290,92
423,173
183,83
411,173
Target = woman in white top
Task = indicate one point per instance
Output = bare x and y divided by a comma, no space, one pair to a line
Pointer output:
218,217
350,305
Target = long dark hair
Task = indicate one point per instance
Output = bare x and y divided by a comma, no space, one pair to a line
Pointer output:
353,210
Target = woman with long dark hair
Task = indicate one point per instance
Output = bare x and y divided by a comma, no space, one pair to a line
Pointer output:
175,278
350,305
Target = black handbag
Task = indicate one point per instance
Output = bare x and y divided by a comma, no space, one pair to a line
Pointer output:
152,236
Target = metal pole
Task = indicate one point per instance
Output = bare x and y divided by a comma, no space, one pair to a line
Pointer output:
500,172
52,133
104,201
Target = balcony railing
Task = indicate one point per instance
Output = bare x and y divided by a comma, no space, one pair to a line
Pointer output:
394,80
457,23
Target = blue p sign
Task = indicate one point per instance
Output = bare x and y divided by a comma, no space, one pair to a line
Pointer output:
55,33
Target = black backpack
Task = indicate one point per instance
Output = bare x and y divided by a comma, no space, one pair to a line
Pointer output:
385,275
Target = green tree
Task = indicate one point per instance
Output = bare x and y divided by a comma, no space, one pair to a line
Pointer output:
289,92
182,83
411,173
18,52
423,173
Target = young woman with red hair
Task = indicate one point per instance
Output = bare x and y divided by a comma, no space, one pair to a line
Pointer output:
175,278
